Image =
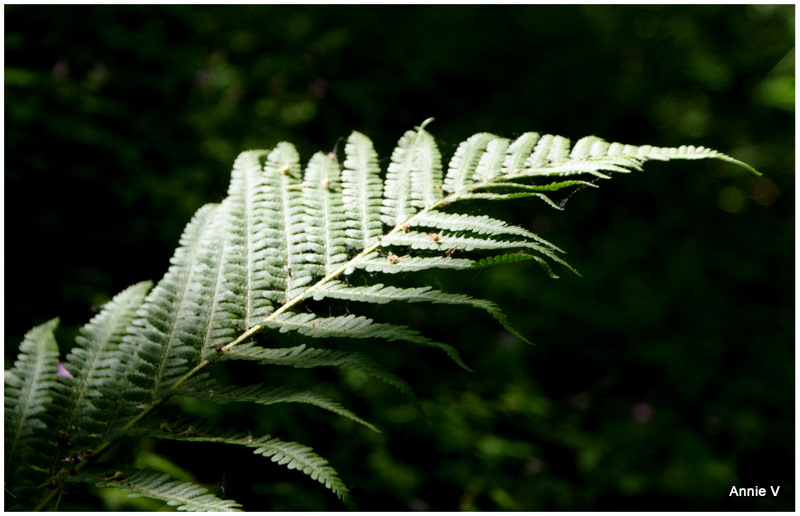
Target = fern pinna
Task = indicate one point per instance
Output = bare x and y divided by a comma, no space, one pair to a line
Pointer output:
248,266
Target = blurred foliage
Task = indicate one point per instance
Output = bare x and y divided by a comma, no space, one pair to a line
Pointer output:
659,379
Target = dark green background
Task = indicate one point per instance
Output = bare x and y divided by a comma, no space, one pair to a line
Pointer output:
660,379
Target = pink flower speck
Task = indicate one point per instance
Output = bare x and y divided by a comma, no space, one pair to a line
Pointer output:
62,371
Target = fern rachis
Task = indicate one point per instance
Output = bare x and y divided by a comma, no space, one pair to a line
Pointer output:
247,268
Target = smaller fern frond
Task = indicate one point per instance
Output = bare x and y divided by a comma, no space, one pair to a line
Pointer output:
393,264
362,192
302,357
442,241
260,395
502,259
297,456
325,220
592,146
284,197
423,241
30,387
414,177
94,362
484,196
292,455
465,161
518,153
351,326
550,155
491,162
380,294
164,339
185,496
549,187
480,224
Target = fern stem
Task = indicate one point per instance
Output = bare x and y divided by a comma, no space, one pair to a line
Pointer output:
298,299
244,336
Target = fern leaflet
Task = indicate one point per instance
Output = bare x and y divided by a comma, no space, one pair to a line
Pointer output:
185,496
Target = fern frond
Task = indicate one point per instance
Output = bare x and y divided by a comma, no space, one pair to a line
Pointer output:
518,153
325,218
292,455
480,224
261,395
297,456
381,294
354,327
288,213
594,147
414,177
549,187
491,261
254,263
185,496
30,386
168,334
305,358
399,264
362,192
94,363
416,240
550,155
253,280
471,196
465,161
491,162
444,241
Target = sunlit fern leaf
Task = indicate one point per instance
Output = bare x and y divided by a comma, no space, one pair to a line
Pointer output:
219,299
518,153
443,242
595,156
598,148
185,496
284,194
252,280
30,413
426,173
465,161
472,196
380,294
325,218
362,192
260,395
356,327
549,149
480,224
491,162
414,177
549,187
402,264
172,323
94,363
